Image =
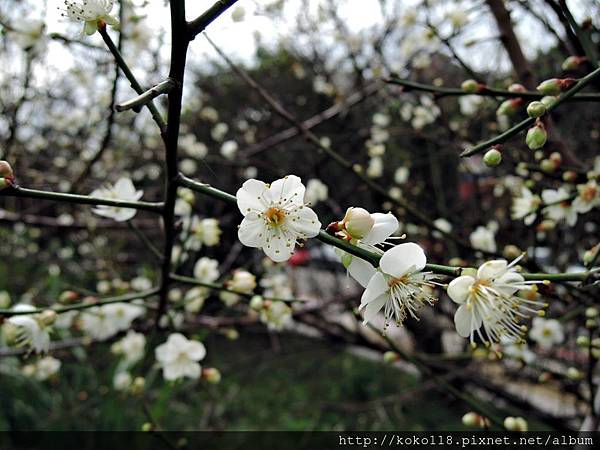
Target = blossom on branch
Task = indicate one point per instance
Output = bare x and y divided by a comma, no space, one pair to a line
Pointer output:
123,189
275,216
179,357
93,13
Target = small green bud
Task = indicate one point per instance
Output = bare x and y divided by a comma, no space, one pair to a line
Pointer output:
596,343
470,419
550,87
573,62
547,166
212,375
511,251
138,385
492,158
470,86
147,427
583,341
509,107
391,357
591,324
256,302
574,374
4,299
536,137
516,87
358,222
10,332
47,317
569,176
536,109
548,101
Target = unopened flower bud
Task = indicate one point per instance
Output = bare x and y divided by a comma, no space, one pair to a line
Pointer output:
574,374
147,426
596,353
583,341
6,171
536,137
515,424
546,225
472,419
556,158
536,109
516,87
391,357
549,100
256,303
242,281
470,86
66,297
573,62
548,166
549,87
212,375
138,385
591,324
544,377
596,343
511,251
509,107
10,332
231,333
569,176
187,196
4,299
492,158
47,317
358,222
591,312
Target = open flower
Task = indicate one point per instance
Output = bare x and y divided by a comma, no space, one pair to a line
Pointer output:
489,306
546,332
275,216
588,198
31,330
179,357
123,189
399,287
525,206
91,12
559,205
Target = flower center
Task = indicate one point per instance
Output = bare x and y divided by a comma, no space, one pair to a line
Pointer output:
477,287
275,216
589,193
393,282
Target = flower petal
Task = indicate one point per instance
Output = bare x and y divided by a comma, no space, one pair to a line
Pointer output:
377,285
374,307
251,196
304,222
252,231
403,259
385,225
491,269
278,246
288,189
458,289
361,271
465,321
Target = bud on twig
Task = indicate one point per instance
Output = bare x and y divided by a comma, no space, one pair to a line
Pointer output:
536,136
536,109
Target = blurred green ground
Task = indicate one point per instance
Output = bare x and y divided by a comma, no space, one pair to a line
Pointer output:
301,385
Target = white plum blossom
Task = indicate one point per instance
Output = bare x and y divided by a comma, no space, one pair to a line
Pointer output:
206,270
276,315
401,175
229,149
206,231
483,238
31,331
122,380
179,357
275,216
546,332
194,299
518,350
399,286
132,347
525,206
91,13
489,305
375,167
277,285
103,322
123,189
316,191
242,281
46,367
588,197
559,205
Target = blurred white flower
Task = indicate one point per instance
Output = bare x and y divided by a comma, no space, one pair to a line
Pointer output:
375,167
588,197
399,287
546,332
560,207
517,350
242,281
179,357
46,367
277,285
275,216
27,32
490,299
31,331
122,381
206,270
192,147
483,238
103,322
194,299
276,315
123,189
91,13
401,175
525,206
229,149
132,347
316,191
